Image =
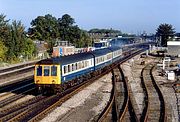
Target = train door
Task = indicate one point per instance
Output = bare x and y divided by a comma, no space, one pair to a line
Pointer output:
46,79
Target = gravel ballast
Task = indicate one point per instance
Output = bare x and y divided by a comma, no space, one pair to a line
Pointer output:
85,105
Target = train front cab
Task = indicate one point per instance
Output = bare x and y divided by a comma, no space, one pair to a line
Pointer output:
47,75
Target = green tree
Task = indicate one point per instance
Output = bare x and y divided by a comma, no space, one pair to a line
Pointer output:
18,38
3,51
29,48
65,26
18,44
164,31
44,28
85,40
4,27
49,29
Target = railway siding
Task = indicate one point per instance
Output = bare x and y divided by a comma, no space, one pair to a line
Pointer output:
169,95
132,71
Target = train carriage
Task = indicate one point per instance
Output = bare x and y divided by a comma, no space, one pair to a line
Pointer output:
116,53
61,69
100,58
76,65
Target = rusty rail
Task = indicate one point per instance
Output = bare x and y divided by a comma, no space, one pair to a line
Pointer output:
146,111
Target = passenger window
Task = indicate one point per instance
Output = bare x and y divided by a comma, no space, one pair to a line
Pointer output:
46,70
69,68
39,71
64,69
76,66
82,64
54,71
86,63
73,67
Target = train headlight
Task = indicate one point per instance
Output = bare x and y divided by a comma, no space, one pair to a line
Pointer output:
37,81
53,82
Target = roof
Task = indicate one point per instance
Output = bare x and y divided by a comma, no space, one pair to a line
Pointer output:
40,47
100,52
176,43
77,57
114,48
67,59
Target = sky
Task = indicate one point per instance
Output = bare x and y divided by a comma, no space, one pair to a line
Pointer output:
130,16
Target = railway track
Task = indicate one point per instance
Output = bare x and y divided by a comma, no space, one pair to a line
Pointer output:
9,69
15,94
16,73
12,87
155,109
40,106
120,107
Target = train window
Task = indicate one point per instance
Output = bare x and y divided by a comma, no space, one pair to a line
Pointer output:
82,64
46,70
69,68
76,66
96,61
79,65
73,68
39,71
87,63
54,71
65,69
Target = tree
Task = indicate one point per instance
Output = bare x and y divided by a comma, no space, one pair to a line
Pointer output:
49,29
4,28
72,33
44,28
29,48
18,38
3,51
17,43
65,25
164,31
85,40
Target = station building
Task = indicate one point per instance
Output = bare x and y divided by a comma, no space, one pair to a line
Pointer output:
173,48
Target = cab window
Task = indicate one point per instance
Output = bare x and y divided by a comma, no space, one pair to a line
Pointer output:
39,71
54,71
46,70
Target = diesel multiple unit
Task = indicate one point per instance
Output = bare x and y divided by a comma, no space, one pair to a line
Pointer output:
56,71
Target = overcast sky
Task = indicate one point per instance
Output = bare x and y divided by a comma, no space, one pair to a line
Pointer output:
132,16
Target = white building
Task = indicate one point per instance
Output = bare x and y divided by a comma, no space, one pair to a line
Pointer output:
173,48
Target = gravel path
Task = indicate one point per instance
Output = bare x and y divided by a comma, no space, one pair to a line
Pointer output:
86,105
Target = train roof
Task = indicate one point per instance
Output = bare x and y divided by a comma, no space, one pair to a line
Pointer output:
67,59
77,57
100,52
114,48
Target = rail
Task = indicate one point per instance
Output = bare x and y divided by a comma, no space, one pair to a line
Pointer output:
148,101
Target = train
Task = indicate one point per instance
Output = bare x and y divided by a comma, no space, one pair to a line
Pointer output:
53,73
